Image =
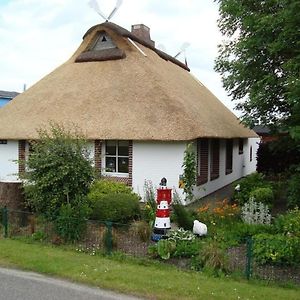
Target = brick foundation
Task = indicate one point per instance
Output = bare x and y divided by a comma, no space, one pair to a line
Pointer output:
11,195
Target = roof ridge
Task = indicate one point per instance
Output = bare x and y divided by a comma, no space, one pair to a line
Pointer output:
125,33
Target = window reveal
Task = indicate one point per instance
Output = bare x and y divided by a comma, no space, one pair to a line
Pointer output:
241,146
116,156
228,166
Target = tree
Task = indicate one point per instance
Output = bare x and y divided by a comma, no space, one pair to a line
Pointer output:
260,60
189,170
59,171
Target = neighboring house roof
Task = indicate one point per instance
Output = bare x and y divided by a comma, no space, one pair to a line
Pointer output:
121,94
262,130
8,95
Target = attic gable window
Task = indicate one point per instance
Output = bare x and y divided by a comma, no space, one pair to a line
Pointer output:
117,157
102,48
103,42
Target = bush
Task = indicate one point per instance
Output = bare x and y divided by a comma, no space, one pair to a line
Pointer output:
70,223
142,229
58,170
213,257
263,194
187,248
255,213
115,207
183,217
247,185
276,249
181,235
289,223
106,186
293,191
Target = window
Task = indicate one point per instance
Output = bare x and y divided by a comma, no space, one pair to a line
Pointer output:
103,42
202,161
214,159
116,156
250,153
3,142
228,166
241,146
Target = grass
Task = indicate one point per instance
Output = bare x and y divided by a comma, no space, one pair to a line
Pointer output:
132,276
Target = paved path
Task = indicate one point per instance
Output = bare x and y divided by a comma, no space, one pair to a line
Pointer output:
19,285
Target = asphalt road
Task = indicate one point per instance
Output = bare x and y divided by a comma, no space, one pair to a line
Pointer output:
19,285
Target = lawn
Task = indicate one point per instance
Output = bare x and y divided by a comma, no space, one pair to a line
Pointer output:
132,276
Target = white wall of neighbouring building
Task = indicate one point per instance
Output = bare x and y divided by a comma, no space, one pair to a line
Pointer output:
155,160
9,154
241,166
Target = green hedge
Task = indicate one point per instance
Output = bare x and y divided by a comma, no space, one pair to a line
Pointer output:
120,208
276,249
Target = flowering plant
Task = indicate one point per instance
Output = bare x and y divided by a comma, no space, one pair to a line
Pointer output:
255,213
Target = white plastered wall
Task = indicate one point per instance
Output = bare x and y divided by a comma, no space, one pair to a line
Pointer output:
241,166
9,154
155,160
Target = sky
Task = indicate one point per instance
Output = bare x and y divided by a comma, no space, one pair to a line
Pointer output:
36,36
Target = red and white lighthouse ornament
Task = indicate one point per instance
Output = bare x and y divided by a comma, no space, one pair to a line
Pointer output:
162,220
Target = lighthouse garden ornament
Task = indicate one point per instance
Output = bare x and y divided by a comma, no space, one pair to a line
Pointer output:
162,220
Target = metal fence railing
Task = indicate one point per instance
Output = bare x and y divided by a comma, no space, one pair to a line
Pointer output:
134,239
104,236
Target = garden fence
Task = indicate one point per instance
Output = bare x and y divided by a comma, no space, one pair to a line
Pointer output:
107,237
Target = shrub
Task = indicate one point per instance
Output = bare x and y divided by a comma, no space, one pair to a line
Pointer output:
39,236
187,248
181,235
293,191
115,207
142,229
107,186
165,248
263,194
276,249
70,223
289,223
247,185
58,170
148,213
183,217
213,257
255,213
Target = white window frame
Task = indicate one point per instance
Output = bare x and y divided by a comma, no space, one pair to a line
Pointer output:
113,174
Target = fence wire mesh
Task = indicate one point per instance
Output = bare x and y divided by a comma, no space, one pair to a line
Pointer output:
134,239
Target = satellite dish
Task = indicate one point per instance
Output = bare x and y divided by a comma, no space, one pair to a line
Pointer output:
94,5
183,47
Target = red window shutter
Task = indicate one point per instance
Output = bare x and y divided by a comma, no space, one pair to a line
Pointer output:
215,159
202,149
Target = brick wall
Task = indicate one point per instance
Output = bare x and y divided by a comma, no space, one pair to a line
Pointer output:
11,195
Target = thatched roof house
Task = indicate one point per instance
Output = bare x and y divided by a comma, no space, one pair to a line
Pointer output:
118,93
118,86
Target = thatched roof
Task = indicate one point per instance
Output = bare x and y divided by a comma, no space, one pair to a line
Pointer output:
128,96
